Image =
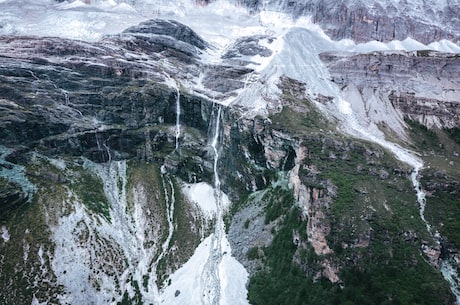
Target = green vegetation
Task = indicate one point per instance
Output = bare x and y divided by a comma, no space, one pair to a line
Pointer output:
90,190
291,120
443,207
280,200
283,281
136,299
299,115
28,229
454,134
253,253
440,178
423,137
375,232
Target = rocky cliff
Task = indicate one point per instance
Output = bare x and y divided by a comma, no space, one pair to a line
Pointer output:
397,78
424,21
113,155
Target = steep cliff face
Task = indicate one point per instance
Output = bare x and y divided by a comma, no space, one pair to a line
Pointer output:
394,80
113,156
424,21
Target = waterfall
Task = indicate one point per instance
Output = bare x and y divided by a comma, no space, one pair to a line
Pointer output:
447,268
211,283
177,117
169,202
215,142
452,276
172,83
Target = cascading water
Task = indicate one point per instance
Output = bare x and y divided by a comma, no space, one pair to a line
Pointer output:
353,126
446,265
301,49
177,118
170,200
452,276
210,278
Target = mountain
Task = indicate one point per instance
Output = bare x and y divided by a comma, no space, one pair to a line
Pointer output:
381,20
156,152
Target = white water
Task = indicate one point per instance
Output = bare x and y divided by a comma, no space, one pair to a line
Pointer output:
211,288
177,118
170,201
446,265
452,276
211,276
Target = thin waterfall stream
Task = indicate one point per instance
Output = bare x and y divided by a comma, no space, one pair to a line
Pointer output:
170,199
353,127
210,279
446,266
177,117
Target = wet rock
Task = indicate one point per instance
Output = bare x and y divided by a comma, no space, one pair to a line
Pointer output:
225,78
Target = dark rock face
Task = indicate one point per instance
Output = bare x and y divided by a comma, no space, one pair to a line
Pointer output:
365,21
248,46
96,100
169,28
225,79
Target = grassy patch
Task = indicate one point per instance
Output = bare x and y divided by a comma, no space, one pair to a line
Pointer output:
454,134
443,205
279,200
290,120
28,229
423,137
440,178
90,190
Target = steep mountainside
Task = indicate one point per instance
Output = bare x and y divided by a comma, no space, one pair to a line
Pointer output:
381,20
216,155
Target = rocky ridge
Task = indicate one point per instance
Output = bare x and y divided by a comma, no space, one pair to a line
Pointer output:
101,116
361,21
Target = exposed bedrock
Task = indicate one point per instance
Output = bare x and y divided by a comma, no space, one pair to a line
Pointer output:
373,20
422,85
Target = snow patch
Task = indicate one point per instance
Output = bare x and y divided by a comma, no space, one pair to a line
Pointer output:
203,195
5,234
233,277
187,283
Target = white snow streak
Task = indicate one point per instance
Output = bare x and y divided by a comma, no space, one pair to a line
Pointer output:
202,194
211,276
5,234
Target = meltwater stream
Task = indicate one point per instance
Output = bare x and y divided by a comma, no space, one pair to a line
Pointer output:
353,127
177,117
211,284
446,266
299,60
170,200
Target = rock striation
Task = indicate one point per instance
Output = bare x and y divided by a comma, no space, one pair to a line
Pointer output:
94,125
421,85
384,20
